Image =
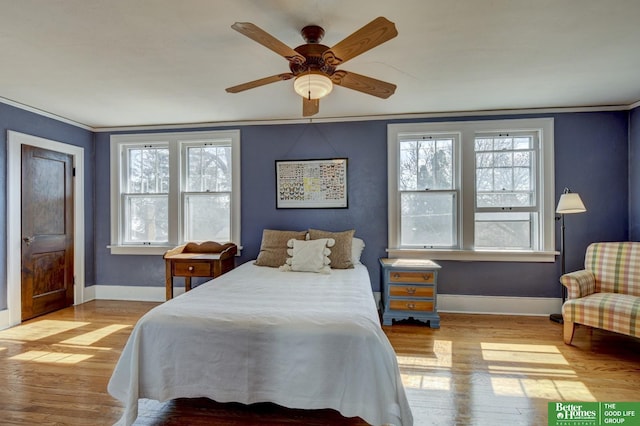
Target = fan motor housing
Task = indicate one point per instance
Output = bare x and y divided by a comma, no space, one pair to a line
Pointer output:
313,53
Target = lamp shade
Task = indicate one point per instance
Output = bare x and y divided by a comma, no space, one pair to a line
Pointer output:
570,203
313,85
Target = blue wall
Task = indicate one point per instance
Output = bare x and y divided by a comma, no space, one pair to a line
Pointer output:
634,174
593,154
591,158
19,120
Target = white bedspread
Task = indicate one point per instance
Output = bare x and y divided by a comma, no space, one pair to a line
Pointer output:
256,334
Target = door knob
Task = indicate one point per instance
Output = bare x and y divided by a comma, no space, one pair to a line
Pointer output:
28,240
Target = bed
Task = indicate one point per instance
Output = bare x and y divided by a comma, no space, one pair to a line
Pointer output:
258,334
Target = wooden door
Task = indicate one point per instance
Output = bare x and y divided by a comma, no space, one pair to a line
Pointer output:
47,231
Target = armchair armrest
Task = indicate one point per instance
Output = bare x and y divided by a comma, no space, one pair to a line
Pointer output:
579,283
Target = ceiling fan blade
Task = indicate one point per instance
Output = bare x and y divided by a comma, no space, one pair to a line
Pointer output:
259,35
310,107
371,35
257,83
363,84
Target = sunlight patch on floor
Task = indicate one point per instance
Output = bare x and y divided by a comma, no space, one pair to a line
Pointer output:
531,371
82,347
51,357
92,337
422,372
426,382
560,382
519,347
532,354
441,357
551,389
40,329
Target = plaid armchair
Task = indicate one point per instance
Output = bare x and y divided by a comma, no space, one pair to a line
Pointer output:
606,293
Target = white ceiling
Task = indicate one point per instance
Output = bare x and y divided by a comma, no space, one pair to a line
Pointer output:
114,63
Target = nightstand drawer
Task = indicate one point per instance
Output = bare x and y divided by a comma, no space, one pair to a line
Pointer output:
410,291
411,305
418,277
193,269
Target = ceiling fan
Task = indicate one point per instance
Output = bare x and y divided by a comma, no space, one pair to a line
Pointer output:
313,65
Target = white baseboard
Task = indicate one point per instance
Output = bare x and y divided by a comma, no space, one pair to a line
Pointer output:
498,305
454,303
123,292
5,319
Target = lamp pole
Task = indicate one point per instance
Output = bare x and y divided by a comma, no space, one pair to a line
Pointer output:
558,317
569,203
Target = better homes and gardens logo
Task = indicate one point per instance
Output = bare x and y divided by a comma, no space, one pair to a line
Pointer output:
594,413
574,413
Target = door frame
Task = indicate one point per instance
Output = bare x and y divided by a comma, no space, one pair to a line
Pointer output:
15,140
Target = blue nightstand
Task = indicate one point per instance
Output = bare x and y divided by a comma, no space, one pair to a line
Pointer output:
410,290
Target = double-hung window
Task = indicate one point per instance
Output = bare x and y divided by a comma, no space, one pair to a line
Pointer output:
480,190
506,201
170,188
427,190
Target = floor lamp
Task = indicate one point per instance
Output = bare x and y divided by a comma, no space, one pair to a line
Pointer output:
569,203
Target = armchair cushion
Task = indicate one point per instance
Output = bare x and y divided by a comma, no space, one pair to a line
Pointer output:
609,311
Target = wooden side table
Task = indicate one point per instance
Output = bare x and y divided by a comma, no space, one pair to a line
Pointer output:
410,290
208,259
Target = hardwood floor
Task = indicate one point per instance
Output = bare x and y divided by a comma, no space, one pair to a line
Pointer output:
474,370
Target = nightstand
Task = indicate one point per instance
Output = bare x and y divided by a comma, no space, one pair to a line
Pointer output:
207,259
410,290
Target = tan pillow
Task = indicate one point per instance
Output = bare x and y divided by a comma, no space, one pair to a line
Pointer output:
273,249
341,252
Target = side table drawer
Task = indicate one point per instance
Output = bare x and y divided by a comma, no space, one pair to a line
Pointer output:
410,291
193,269
418,277
411,305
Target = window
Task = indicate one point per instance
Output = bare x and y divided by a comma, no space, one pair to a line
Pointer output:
427,189
169,188
472,190
506,214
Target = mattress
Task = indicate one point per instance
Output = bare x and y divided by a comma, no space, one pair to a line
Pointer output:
258,334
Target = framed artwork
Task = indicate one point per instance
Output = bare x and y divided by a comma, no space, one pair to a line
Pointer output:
311,184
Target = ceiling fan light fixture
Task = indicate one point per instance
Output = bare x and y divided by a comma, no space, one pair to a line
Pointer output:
313,85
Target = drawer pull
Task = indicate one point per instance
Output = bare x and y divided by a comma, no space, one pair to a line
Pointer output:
411,305
190,268
396,275
426,277
411,290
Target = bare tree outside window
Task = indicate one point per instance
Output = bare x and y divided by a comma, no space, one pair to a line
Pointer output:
505,191
146,196
427,198
208,193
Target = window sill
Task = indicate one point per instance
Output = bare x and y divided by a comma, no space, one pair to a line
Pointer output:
139,250
145,250
475,255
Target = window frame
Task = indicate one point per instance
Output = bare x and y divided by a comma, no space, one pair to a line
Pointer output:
465,161
176,141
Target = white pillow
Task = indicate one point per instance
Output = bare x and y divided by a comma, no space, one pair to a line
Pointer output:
357,246
309,256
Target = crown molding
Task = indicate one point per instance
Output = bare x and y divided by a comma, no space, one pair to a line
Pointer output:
44,113
390,117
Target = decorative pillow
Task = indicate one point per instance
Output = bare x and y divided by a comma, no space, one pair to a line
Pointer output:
357,246
309,256
273,249
341,253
